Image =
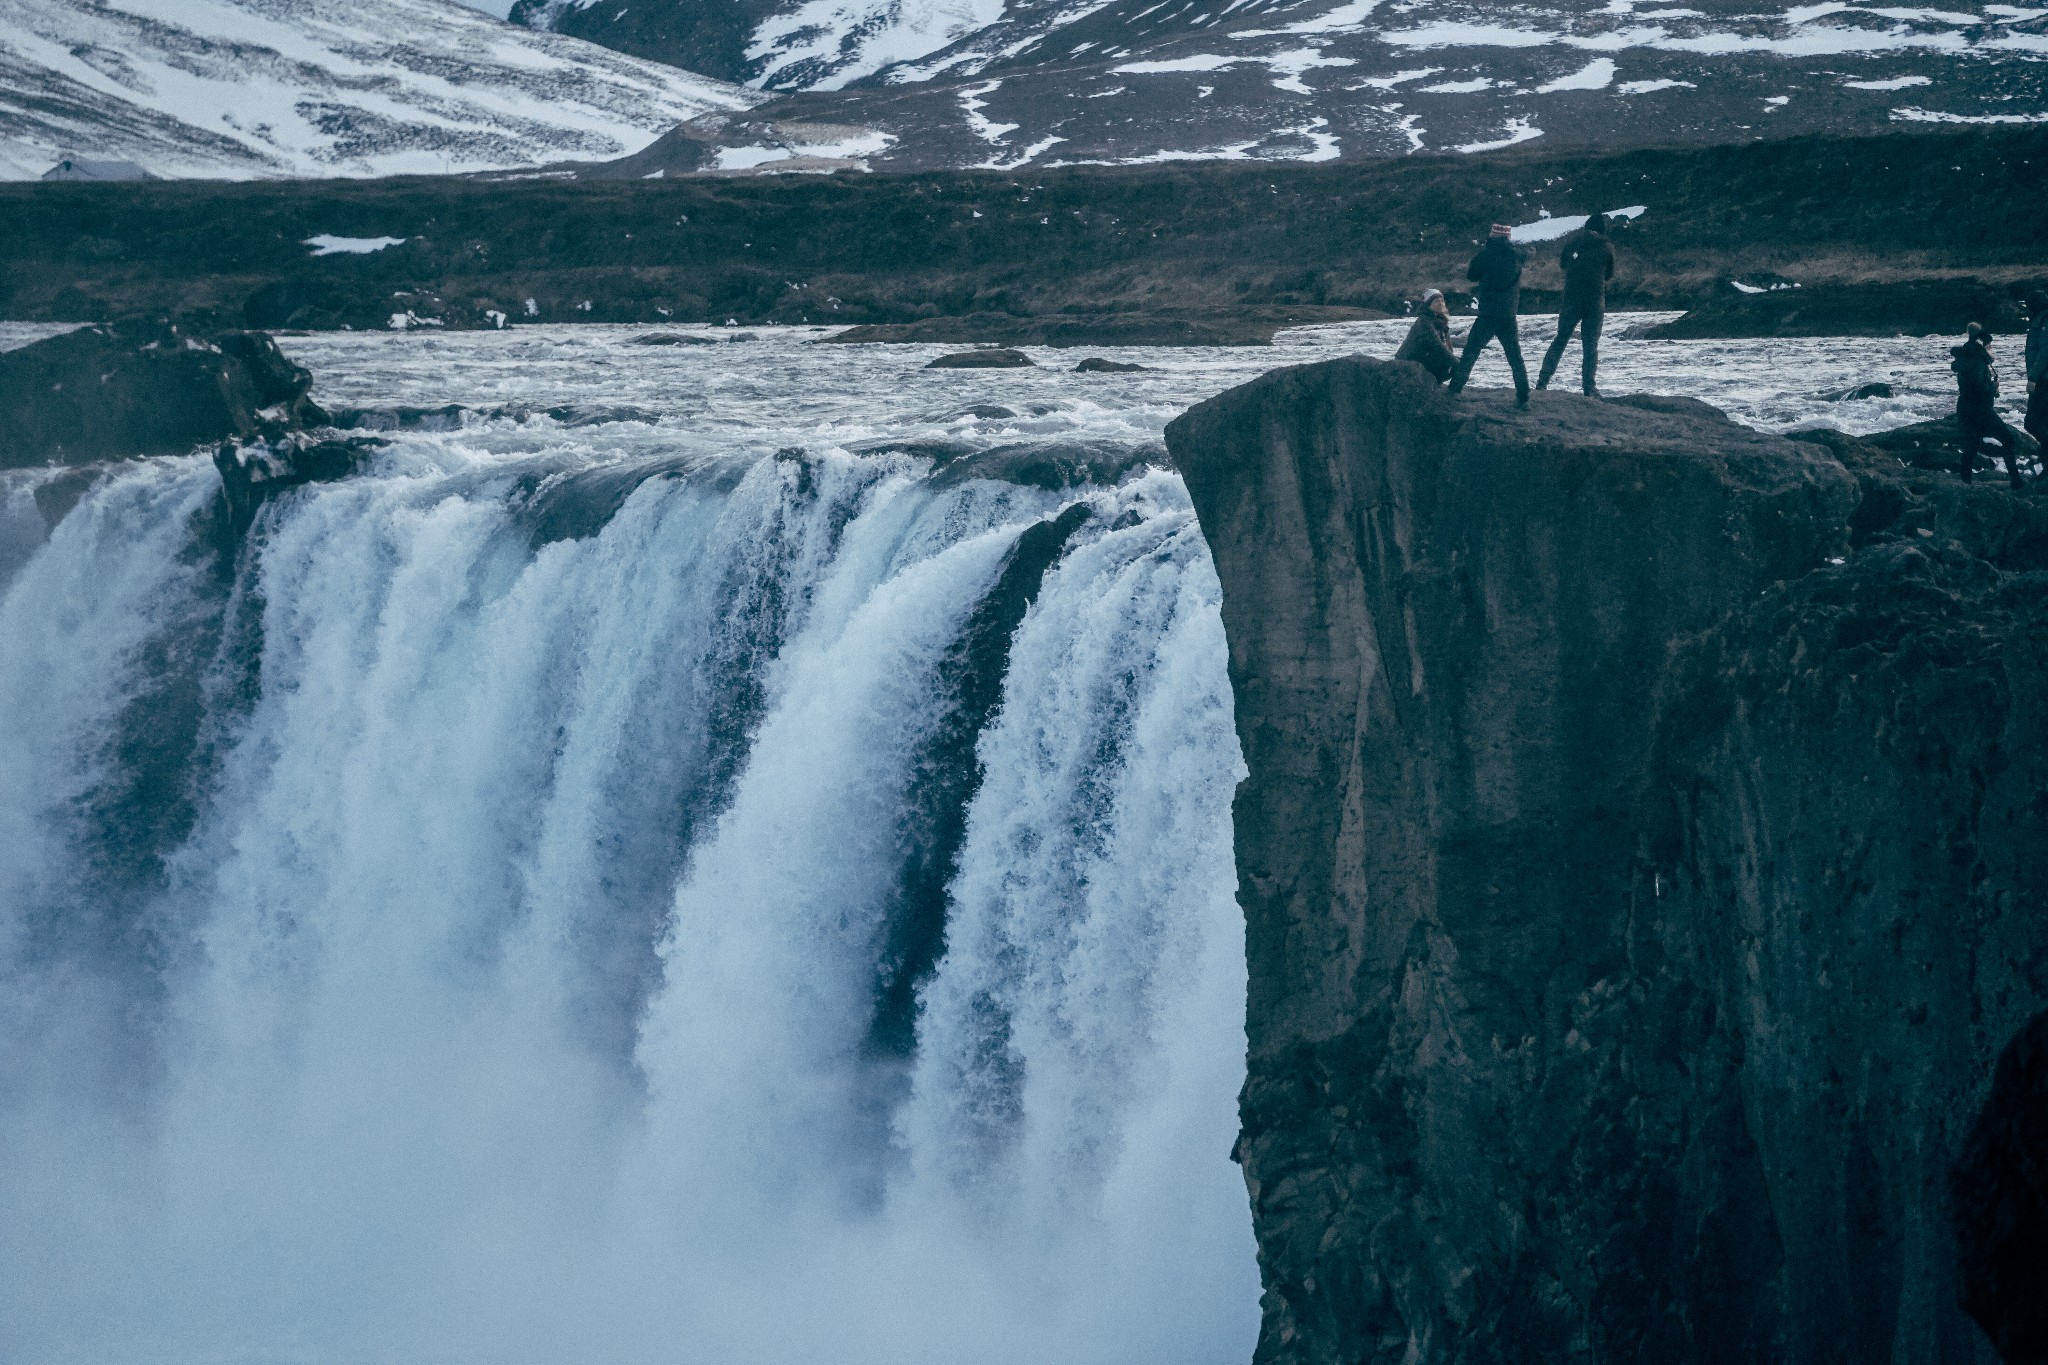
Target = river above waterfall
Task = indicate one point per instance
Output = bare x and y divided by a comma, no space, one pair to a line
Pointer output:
694,854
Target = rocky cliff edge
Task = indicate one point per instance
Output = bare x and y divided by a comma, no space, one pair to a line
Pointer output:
1642,860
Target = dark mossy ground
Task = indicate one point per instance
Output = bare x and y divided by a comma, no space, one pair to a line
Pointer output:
1193,241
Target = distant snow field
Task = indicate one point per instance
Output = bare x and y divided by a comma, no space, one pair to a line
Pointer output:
235,89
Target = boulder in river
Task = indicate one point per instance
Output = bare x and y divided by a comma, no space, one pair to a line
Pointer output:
114,392
991,358
1095,364
1641,859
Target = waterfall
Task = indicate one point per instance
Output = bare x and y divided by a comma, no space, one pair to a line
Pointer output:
698,909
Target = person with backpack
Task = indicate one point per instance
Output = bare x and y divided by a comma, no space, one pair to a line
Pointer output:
1497,270
1977,405
1588,262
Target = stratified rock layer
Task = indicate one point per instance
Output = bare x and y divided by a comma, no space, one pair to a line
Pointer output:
1641,861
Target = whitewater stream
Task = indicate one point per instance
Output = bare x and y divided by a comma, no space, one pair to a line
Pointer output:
702,857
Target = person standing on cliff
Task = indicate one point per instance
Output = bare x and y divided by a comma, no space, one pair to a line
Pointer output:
1428,342
2036,421
1977,404
1588,261
1497,270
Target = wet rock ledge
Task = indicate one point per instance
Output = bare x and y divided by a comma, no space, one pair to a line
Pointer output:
1642,860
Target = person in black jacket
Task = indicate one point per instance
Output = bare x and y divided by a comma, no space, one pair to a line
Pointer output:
1428,342
1588,261
1497,270
2036,421
1977,405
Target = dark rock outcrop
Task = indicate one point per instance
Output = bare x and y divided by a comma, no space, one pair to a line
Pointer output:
2000,1188
1937,444
1639,859
1095,364
251,473
109,393
990,359
1904,308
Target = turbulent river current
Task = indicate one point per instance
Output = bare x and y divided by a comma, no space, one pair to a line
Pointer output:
710,853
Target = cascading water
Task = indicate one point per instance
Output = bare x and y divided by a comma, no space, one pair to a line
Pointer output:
746,878
427,940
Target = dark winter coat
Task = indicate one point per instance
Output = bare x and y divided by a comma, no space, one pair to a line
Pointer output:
1497,270
2037,350
1588,261
1428,344
1976,384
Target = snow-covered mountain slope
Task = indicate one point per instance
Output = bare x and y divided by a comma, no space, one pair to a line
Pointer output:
1007,83
239,88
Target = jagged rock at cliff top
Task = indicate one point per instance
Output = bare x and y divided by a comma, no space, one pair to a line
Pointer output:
108,393
1639,859
2001,1202
253,472
994,359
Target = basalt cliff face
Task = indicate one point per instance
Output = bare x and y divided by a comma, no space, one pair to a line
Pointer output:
1643,864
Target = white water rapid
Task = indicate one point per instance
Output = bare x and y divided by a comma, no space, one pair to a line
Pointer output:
731,870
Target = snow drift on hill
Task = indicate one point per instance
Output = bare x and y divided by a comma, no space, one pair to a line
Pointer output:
242,88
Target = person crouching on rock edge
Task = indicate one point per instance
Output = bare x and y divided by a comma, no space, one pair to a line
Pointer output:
1428,342
1498,271
1977,404
1588,261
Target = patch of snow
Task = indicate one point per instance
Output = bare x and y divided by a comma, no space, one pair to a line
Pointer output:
1645,87
1548,229
1914,115
1895,83
1343,19
1776,102
1030,153
1806,38
326,244
1205,61
972,103
1398,78
1471,87
1105,94
1451,33
1596,75
1517,130
746,158
1289,67
826,44
1928,16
